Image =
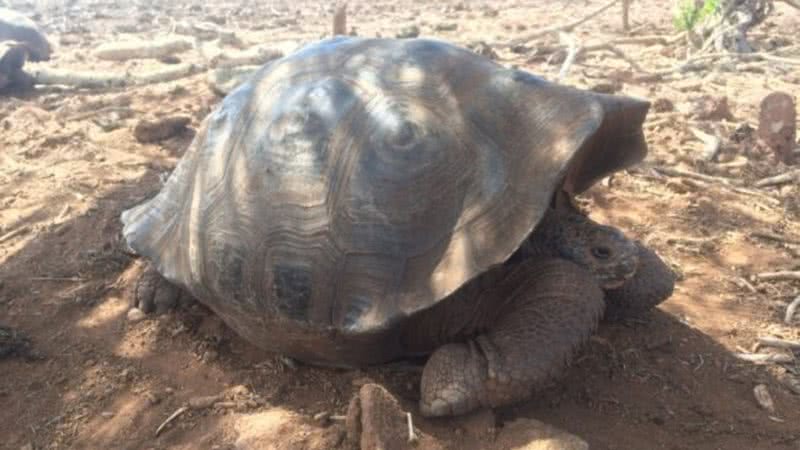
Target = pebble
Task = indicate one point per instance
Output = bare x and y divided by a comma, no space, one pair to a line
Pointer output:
135,314
411,31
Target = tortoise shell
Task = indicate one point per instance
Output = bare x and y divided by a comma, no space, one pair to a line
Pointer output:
18,28
357,181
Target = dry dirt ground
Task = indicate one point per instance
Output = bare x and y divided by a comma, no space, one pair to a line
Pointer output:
69,163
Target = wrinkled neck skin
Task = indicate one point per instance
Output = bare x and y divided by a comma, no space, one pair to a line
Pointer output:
565,232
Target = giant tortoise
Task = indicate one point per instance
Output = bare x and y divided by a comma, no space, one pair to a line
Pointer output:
364,200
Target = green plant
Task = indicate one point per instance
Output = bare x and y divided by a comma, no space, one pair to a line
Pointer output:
689,13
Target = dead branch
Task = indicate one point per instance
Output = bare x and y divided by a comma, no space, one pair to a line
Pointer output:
626,26
641,40
572,53
73,279
621,55
765,358
711,144
224,79
45,75
14,233
669,171
775,237
564,27
340,20
122,51
253,56
779,276
790,310
778,343
205,31
412,436
787,177
172,417
203,402
719,181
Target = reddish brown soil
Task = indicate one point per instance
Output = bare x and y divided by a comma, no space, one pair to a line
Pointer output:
665,381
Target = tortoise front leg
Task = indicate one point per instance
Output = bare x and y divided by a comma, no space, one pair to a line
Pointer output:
653,283
542,311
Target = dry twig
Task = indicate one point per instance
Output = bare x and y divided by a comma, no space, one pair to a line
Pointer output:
45,75
765,358
172,417
122,51
775,237
340,20
565,27
779,276
625,22
719,181
572,53
790,310
786,177
14,233
412,436
778,343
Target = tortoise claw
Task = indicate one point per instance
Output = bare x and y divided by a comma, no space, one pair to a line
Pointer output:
152,293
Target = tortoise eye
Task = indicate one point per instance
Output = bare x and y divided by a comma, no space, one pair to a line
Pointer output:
601,253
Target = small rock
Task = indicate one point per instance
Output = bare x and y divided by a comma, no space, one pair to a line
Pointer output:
27,446
529,434
376,421
520,49
709,107
152,398
408,32
209,356
169,59
279,428
480,425
483,49
323,418
777,125
203,402
135,315
662,104
763,398
107,414
446,26
147,131
791,382
606,88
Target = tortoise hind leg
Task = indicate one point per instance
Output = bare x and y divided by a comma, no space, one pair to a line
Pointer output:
153,293
547,309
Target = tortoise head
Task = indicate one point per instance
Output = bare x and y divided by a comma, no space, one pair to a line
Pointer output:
604,251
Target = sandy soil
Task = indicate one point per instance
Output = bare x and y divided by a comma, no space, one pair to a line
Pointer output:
69,164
